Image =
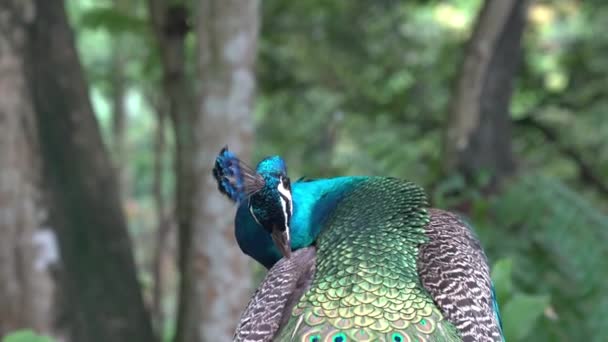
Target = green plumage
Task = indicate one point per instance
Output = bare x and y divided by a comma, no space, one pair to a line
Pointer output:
366,285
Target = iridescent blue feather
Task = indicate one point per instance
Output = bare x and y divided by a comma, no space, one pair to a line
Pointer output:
234,178
497,311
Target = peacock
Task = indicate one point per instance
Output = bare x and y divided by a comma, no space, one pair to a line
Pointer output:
356,258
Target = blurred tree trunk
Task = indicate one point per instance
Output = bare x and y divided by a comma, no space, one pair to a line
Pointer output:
163,225
478,135
119,113
26,250
215,272
100,280
119,81
170,25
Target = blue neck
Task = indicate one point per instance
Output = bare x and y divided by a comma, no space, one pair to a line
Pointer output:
313,203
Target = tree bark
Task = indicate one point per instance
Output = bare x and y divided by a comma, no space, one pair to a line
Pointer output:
216,271
119,113
170,25
478,135
27,251
164,225
100,281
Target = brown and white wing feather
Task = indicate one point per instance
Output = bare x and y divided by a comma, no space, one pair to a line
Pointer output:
271,305
455,271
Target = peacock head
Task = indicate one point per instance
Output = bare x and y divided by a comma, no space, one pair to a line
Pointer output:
268,190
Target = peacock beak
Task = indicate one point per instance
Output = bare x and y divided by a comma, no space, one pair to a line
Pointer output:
282,241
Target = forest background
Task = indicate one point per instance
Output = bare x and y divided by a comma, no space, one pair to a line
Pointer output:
111,114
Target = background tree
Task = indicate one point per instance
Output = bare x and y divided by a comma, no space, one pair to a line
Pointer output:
102,292
478,131
170,26
26,249
215,273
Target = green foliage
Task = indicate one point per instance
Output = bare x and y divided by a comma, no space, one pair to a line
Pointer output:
562,45
344,85
520,311
558,242
520,315
114,21
501,276
26,336
550,286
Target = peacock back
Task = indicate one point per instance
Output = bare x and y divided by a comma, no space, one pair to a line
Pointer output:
366,285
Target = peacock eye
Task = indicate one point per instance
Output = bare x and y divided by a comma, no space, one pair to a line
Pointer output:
397,337
287,183
341,337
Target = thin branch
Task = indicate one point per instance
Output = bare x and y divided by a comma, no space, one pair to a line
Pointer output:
586,172
164,221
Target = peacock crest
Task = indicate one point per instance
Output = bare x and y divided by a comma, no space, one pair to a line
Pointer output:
235,179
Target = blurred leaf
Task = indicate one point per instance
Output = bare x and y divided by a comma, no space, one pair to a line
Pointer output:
26,336
114,21
561,244
501,276
521,313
